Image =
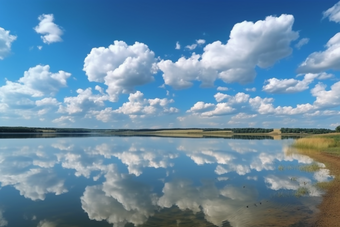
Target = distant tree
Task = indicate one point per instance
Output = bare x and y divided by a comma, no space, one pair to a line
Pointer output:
337,129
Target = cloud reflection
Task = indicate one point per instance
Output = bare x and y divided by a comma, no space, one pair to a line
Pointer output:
119,200
3,221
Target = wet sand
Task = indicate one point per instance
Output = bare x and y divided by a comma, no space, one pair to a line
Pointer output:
329,208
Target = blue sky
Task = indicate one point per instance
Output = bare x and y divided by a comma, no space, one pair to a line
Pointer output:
150,64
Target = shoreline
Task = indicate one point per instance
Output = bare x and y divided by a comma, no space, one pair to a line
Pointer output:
329,214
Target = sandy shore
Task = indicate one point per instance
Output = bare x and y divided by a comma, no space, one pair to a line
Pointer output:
329,215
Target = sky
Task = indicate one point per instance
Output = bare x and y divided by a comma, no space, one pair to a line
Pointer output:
165,64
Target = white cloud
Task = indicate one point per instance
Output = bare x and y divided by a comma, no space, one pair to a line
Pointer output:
47,102
51,32
62,119
201,107
250,45
178,46
41,79
326,99
301,43
83,102
200,41
265,106
180,74
323,60
222,89
333,13
137,106
5,43
285,86
191,47
325,76
121,67
334,125
211,110
38,81
220,97
39,47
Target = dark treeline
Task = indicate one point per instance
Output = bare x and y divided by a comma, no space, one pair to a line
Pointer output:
306,130
17,129
151,130
249,130
5,129
244,137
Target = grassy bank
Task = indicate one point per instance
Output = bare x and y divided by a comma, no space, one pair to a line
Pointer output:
325,149
328,143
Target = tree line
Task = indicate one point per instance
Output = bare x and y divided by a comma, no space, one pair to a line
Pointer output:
306,130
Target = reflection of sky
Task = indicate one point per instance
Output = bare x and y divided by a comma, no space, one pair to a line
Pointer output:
127,179
3,221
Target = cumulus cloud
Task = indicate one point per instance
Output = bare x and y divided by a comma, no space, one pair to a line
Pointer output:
265,106
301,43
220,97
84,101
37,82
333,13
121,67
41,79
324,98
180,74
137,106
51,32
250,44
5,42
323,60
201,107
210,110
47,102
285,86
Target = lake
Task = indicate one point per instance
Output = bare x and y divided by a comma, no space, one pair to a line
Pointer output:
155,181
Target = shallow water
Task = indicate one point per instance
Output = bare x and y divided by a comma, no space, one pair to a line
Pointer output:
152,181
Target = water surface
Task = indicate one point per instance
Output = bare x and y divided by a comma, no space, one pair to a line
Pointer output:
152,181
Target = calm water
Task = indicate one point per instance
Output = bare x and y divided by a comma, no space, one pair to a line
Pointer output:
150,181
